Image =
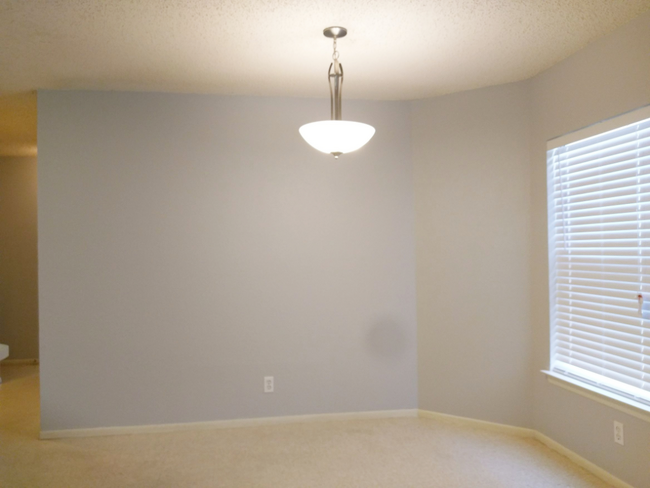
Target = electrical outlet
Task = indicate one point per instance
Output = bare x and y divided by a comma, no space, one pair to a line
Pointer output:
618,433
268,384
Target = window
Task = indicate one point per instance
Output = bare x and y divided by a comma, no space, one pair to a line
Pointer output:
599,257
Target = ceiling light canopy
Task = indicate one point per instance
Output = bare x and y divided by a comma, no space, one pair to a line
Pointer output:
336,136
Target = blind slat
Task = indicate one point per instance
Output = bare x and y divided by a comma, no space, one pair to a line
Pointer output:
628,331
609,344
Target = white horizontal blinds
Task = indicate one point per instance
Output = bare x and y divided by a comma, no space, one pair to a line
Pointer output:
599,219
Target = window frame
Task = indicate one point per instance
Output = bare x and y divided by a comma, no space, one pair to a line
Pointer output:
575,384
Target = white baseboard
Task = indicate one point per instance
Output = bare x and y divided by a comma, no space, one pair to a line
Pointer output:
225,424
582,462
524,432
19,362
479,424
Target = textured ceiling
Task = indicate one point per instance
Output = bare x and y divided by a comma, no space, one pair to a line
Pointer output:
395,49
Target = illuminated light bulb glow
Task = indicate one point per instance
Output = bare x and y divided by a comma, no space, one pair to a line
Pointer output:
336,136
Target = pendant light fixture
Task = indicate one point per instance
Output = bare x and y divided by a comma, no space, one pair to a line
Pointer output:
336,136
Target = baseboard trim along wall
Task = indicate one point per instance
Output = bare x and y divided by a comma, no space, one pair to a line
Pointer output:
225,424
478,424
524,432
582,462
18,362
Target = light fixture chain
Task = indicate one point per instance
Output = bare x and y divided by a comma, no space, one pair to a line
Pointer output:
335,78
335,54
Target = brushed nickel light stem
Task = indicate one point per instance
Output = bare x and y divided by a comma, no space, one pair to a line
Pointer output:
335,74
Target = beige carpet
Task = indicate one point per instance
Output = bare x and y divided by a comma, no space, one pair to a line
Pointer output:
406,452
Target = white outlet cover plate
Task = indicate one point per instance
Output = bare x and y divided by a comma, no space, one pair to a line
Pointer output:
619,433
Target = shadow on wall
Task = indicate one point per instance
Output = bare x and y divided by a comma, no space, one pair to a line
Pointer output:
386,339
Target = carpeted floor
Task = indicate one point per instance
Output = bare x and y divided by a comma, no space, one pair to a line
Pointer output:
408,452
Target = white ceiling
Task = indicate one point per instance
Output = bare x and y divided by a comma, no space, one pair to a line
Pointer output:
395,49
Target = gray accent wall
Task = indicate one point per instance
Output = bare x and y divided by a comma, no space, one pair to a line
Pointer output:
190,245
472,172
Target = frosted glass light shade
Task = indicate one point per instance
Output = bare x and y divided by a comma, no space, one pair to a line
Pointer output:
336,136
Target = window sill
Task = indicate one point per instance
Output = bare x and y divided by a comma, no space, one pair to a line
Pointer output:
630,407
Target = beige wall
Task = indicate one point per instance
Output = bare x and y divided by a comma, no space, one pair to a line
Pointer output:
18,257
471,163
607,78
